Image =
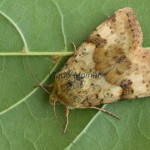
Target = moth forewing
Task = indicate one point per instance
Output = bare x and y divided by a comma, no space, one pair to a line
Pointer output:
115,55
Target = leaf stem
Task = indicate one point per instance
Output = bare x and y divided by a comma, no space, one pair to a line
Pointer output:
40,53
35,53
146,48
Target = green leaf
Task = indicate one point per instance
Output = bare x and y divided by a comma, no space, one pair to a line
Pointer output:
48,27
130,132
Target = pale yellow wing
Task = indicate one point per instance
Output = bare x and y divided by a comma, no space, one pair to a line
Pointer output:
111,65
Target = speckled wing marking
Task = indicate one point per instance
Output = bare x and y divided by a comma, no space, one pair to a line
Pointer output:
111,65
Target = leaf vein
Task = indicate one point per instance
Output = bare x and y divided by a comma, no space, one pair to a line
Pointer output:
17,28
62,23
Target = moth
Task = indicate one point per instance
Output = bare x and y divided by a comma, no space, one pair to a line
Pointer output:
109,66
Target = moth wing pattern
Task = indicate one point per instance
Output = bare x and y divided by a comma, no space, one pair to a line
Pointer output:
109,66
121,29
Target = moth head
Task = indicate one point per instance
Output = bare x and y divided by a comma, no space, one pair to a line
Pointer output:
53,98
57,96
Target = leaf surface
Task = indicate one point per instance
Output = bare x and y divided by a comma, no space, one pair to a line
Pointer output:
26,118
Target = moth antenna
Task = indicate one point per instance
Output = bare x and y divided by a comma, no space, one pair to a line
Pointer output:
54,110
33,76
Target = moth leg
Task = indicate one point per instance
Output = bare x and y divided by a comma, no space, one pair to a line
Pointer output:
66,114
105,111
74,46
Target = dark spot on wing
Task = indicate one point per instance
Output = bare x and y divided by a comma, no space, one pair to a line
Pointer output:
97,40
69,84
127,87
113,18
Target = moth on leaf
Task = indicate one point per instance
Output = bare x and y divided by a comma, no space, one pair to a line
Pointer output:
109,66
